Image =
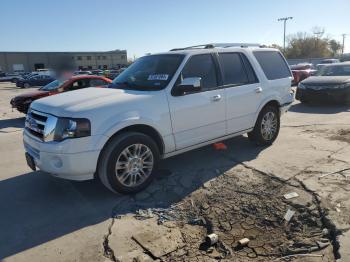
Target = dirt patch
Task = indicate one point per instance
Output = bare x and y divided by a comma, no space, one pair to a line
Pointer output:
342,135
244,203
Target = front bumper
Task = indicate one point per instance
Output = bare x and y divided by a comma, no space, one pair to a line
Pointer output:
324,95
52,157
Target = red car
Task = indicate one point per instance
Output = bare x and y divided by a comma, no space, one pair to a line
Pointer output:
302,71
23,101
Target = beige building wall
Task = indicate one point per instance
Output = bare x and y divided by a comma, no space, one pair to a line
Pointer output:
83,60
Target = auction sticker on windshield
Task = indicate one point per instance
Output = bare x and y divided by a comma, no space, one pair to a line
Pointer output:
158,77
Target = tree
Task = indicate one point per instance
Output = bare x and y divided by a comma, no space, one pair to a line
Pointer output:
305,45
335,46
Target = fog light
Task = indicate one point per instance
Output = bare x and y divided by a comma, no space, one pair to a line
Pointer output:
56,162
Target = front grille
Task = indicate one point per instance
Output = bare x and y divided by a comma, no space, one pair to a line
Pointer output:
35,123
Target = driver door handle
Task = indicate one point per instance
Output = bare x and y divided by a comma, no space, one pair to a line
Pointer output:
258,90
216,98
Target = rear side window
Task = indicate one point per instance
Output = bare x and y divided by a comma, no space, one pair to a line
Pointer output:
237,69
273,64
233,69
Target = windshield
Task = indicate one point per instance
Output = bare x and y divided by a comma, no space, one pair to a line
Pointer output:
52,85
338,70
148,73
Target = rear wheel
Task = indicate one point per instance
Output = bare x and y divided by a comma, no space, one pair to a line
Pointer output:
26,85
267,126
128,163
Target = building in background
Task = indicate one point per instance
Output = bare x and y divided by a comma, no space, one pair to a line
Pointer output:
31,61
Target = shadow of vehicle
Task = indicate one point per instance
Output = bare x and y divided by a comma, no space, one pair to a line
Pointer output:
14,122
37,208
319,108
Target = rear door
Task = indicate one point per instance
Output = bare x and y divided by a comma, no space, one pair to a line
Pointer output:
199,117
243,91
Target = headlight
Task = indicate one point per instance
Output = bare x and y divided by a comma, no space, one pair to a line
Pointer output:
301,86
72,128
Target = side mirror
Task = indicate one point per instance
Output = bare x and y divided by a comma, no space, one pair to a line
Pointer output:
189,85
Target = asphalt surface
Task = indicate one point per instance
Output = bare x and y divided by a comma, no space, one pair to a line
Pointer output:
47,219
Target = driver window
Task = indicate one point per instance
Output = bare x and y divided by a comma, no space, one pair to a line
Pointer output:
78,84
201,66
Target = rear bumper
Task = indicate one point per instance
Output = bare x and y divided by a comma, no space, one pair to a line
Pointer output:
287,104
325,95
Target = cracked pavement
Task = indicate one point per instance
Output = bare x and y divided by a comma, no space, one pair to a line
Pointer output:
45,218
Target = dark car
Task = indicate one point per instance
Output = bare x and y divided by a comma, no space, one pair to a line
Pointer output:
36,80
23,101
332,84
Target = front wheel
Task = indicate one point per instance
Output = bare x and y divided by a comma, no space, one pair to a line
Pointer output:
26,85
267,126
128,163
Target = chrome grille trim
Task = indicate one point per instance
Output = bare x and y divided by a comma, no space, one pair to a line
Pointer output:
35,124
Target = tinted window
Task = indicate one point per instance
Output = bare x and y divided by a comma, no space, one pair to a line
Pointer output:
201,66
97,82
233,69
273,64
249,70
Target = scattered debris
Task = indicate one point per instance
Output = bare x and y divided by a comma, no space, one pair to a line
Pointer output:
290,213
243,242
220,146
291,195
211,239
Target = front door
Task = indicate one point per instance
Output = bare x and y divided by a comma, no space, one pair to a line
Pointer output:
198,117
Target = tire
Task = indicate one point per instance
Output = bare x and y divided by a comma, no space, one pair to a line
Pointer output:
26,85
260,134
120,180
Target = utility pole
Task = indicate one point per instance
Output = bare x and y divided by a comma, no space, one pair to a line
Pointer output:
284,19
343,46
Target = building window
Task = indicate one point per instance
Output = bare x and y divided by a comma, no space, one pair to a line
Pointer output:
123,57
78,57
72,57
88,58
99,67
98,57
104,57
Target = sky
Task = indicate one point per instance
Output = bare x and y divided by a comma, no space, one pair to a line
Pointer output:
149,26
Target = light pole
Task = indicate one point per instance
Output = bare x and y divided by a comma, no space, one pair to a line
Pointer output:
284,19
343,46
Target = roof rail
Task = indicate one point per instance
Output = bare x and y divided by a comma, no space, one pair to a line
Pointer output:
219,45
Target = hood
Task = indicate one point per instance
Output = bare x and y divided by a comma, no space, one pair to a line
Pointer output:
326,80
33,94
87,101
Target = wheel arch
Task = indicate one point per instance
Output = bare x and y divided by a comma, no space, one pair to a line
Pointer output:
271,101
140,128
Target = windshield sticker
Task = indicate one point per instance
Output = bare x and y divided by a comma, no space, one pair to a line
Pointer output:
158,77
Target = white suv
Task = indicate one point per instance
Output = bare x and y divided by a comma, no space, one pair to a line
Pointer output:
162,105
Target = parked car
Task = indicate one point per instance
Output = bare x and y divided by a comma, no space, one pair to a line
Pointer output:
302,71
111,74
162,105
332,84
5,77
330,61
35,80
23,101
81,72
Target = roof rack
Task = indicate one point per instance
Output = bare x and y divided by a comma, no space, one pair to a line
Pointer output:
219,45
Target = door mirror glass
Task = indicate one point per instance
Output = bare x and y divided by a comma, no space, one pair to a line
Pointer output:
189,85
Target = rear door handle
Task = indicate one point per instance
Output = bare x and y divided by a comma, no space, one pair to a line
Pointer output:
216,98
258,90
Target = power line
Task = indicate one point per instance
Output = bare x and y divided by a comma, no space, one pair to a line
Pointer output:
284,19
